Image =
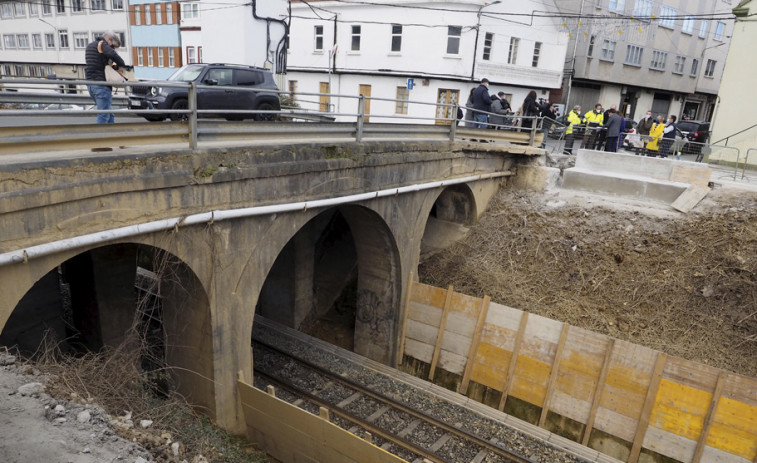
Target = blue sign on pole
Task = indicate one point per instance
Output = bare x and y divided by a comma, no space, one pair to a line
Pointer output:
410,83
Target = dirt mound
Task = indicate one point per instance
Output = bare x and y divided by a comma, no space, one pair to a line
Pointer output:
682,284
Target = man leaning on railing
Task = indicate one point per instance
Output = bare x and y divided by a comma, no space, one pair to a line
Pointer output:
99,54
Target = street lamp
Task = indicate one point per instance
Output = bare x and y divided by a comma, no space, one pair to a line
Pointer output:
57,48
478,26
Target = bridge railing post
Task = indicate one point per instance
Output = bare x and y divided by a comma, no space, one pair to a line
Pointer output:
360,118
453,123
532,135
192,105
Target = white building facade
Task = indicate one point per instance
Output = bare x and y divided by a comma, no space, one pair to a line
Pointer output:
443,48
41,38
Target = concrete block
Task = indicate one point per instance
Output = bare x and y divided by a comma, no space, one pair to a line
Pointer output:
536,178
620,163
622,185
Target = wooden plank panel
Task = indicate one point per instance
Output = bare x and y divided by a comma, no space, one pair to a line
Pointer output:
575,385
680,409
690,373
419,350
425,313
567,405
513,360
456,343
543,329
598,392
466,305
429,295
734,428
452,362
669,444
555,368
440,337
538,349
710,415
421,332
503,316
474,344
742,389
483,374
615,424
461,324
495,357
621,401
646,411
498,336
712,455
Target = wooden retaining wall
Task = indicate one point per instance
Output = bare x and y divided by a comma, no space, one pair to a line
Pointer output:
293,435
646,401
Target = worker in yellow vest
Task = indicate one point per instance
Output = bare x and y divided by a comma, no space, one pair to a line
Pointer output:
594,121
573,129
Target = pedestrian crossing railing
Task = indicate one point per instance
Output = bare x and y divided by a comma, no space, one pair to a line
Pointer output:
28,123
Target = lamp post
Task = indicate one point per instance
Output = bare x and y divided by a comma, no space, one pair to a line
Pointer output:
475,44
573,61
57,48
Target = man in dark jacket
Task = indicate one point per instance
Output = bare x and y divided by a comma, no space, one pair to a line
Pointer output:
612,126
481,102
97,55
549,118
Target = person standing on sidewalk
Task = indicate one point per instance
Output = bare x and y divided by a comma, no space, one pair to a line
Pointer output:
98,54
644,127
612,125
481,102
668,136
573,130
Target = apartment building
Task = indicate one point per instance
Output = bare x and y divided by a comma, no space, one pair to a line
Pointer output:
663,55
421,50
156,41
42,38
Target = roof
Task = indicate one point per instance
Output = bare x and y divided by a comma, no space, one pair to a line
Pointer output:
742,9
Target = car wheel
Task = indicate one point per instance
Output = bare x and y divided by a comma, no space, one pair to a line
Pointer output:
265,117
154,118
180,104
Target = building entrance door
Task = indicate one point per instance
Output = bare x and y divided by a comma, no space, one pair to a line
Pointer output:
447,97
325,100
365,90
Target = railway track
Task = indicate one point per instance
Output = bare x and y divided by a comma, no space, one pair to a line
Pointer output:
404,430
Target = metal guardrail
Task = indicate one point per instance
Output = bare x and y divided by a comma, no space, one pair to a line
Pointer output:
195,129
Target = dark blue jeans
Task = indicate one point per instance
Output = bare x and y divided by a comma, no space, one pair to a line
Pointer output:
104,100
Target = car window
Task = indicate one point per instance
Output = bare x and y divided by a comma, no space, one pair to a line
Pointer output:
223,76
245,77
687,126
186,73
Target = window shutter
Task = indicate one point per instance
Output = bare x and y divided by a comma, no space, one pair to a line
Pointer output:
153,16
178,56
155,56
164,16
165,57
143,15
145,51
135,55
176,10
132,16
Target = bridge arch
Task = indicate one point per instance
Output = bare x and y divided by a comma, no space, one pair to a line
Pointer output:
450,212
339,277
102,297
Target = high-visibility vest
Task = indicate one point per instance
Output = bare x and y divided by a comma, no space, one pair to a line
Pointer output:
574,119
592,116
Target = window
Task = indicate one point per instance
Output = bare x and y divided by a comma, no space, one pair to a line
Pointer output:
9,40
488,39
318,32
658,60
50,40
199,54
6,10
453,39
23,40
643,10
512,56
76,6
169,13
248,78
633,55
80,40
122,39
46,8
403,95
617,6
117,4
37,40
608,50
667,17
719,27
694,67
140,59
63,38
19,69
19,9
590,51
537,53
33,8
680,63
137,15
709,71
355,44
171,58
223,76
159,13
703,28
190,10
148,14
150,57
191,55
688,25
396,38
60,6
6,69
161,58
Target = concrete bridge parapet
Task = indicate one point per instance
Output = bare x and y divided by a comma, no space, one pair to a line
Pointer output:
214,274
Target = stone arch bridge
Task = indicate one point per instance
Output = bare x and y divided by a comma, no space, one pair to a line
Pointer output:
216,236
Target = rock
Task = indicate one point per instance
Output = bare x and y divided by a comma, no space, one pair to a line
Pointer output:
140,460
83,416
60,410
31,389
60,420
200,459
86,450
145,424
175,449
7,359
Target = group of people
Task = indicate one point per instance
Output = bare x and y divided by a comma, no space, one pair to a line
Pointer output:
493,111
599,130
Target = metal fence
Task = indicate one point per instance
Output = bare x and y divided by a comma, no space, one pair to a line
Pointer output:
195,125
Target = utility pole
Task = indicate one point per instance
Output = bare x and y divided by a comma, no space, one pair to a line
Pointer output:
573,60
475,44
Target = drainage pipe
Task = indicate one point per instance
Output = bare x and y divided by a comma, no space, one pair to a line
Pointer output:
23,255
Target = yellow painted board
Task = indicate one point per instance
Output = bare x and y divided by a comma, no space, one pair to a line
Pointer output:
741,388
737,415
528,391
621,401
496,358
482,374
538,349
628,379
696,375
532,370
739,442
680,409
429,295
575,385
582,364
467,305
498,336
